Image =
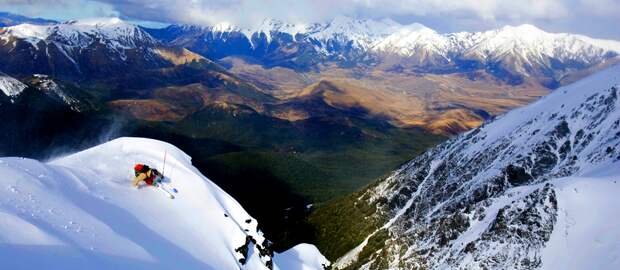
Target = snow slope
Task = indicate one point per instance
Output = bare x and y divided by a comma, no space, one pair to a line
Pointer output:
80,212
586,234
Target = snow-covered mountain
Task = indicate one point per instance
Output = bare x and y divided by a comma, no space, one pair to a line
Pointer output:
114,33
79,211
535,188
510,53
91,47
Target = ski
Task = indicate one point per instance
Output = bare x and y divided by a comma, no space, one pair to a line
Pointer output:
166,192
169,187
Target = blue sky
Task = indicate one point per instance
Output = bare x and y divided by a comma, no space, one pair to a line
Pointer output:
597,18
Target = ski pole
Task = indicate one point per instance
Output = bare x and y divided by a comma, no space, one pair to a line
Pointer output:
164,168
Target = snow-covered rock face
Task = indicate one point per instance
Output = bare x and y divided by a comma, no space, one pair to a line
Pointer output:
48,86
10,86
80,212
514,193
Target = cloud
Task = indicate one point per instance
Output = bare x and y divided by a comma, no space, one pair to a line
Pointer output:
602,7
239,12
482,9
58,9
249,11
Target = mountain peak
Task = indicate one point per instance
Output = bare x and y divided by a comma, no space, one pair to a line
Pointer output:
418,27
523,27
523,31
99,22
28,31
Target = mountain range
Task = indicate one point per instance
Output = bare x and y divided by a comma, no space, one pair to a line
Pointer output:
409,75
512,54
445,83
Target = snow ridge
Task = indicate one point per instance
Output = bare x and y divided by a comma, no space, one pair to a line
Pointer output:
80,212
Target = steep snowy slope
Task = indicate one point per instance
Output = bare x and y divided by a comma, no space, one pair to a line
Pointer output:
535,188
79,212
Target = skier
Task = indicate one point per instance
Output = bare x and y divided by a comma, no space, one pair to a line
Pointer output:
151,177
144,173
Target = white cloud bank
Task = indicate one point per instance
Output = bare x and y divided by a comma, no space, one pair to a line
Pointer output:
250,11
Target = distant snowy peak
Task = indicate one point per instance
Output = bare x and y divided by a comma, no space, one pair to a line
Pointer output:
364,33
389,36
529,41
10,86
113,32
519,51
100,22
267,28
411,39
525,41
361,32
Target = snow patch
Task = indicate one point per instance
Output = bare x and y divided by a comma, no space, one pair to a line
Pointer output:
11,86
586,235
300,257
